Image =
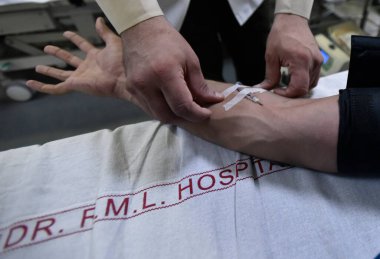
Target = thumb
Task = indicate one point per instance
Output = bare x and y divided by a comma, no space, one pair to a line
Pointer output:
201,92
272,73
103,30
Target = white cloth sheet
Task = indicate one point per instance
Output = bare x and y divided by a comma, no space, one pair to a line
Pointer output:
155,191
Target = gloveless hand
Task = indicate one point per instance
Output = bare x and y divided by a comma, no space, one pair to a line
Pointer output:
164,74
291,44
99,73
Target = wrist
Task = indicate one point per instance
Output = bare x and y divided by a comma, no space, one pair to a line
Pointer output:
143,29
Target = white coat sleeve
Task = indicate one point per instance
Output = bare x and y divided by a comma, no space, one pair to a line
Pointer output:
298,7
124,14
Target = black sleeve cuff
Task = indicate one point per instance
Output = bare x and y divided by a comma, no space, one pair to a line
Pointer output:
359,131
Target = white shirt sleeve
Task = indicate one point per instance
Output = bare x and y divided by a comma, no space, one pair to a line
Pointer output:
124,14
298,7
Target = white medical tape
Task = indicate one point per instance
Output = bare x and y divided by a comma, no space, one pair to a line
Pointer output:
231,89
241,95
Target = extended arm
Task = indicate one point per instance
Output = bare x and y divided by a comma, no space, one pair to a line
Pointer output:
300,132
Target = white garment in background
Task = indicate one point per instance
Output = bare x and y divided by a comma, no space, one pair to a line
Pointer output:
155,191
243,9
175,10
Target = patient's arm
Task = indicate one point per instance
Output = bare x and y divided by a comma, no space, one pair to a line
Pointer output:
100,73
301,132
280,130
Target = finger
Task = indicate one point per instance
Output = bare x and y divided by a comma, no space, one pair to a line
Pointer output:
63,54
200,91
314,78
272,72
298,85
47,88
154,104
79,41
180,101
104,31
159,109
53,72
316,71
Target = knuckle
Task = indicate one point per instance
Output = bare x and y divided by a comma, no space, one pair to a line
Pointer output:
302,56
161,68
300,91
296,91
182,109
203,88
303,91
194,63
135,83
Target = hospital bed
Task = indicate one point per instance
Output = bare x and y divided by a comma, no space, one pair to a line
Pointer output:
150,190
28,25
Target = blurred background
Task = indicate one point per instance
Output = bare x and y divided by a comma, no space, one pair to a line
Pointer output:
28,118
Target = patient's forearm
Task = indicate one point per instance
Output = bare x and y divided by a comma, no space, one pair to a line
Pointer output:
295,131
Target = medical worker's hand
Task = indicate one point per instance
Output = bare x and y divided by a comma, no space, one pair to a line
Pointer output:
291,44
164,74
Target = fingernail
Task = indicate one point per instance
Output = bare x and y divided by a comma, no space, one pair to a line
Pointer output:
219,95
